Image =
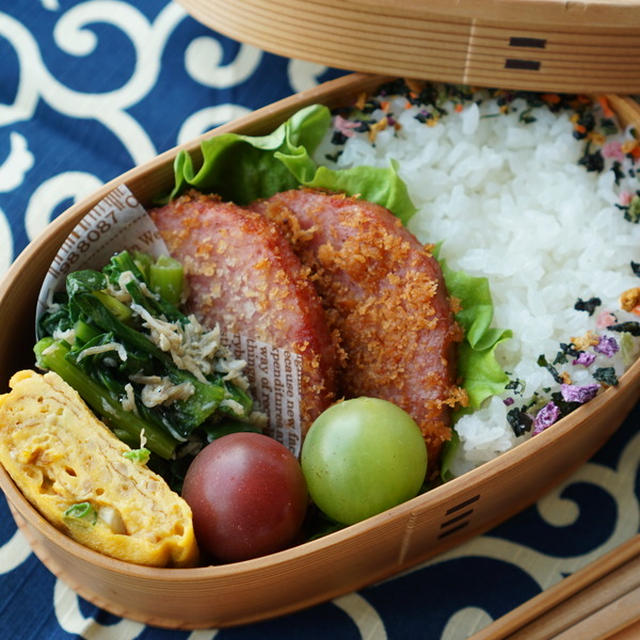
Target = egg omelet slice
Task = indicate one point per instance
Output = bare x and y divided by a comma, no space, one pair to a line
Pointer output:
72,468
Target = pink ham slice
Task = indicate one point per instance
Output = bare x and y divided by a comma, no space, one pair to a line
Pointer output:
243,274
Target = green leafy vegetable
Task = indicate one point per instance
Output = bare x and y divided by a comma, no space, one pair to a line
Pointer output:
482,374
478,367
130,345
449,449
52,354
246,168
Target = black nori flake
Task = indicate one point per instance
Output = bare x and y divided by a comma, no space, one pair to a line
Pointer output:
519,420
543,362
526,117
462,91
394,87
635,267
608,126
591,161
570,349
532,99
567,351
363,126
371,105
561,358
587,120
628,215
625,210
587,305
345,112
631,326
422,116
617,172
428,95
333,157
338,137
563,405
606,375
517,385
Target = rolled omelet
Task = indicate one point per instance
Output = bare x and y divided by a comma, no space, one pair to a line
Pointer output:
72,468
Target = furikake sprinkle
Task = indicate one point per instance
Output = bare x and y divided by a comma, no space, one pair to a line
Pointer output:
592,120
519,420
543,362
606,375
581,366
589,305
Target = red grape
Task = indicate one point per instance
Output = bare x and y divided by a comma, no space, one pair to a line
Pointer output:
248,496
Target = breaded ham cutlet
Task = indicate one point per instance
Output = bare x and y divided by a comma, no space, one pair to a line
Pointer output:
385,294
243,274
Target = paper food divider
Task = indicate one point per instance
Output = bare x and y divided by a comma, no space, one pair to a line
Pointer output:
120,222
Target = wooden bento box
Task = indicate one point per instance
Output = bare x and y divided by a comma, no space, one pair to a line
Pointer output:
216,596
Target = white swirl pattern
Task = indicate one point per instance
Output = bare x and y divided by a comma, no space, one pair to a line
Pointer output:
20,160
72,620
58,189
14,552
214,73
175,81
208,118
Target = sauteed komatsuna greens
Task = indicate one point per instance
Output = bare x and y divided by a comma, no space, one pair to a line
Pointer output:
155,375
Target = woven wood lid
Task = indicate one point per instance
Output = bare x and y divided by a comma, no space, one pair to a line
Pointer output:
540,45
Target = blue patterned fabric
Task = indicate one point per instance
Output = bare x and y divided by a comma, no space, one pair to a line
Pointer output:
88,89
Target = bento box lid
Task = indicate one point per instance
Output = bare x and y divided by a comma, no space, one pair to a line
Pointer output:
538,45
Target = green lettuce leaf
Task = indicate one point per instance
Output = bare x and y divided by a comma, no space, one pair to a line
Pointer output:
478,367
244,168
477,364
375,184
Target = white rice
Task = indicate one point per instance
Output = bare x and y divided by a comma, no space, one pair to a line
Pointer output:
509,201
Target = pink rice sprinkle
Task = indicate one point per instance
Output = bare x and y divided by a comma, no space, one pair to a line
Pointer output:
605,319
625,198
613,150
344,126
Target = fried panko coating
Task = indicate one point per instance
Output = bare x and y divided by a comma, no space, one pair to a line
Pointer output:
385,294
